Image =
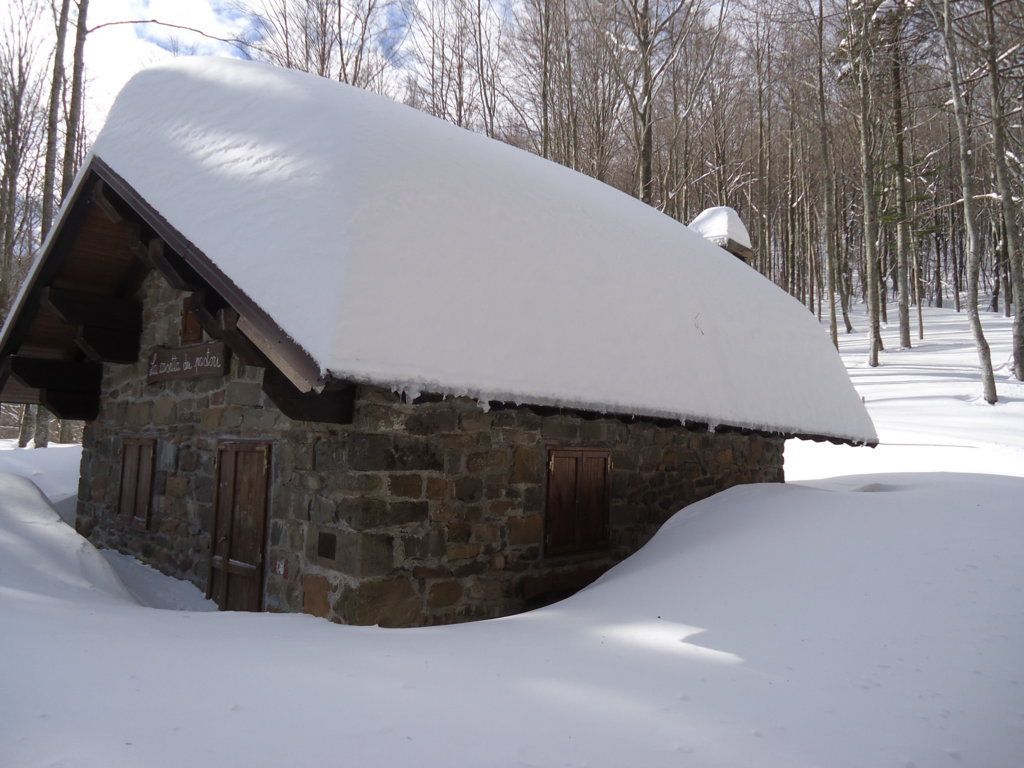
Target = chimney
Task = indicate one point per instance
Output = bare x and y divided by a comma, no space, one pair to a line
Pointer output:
723,227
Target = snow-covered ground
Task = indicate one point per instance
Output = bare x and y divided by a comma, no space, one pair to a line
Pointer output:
855,621
926,404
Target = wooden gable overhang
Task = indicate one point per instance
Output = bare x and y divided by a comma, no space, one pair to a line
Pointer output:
80,309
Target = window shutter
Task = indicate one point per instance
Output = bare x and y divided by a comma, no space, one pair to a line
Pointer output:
592,500
560,520
137,465
576,519
191,330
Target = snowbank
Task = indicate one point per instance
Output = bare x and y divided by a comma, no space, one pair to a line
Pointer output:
874,622
400,250
55,469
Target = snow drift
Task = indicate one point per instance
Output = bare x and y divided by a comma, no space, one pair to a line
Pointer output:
874,621
400,250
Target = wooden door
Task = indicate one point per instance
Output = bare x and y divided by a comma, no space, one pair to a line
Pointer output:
236,568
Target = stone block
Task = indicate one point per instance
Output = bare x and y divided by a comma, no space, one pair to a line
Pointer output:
371,452
329,455
525,530
486,533
432,419
564,429
323,511
458,531
406,486
176,486
467,551
164,410
436,487
211,419
376,555
412,453
316,595
469,489
475,420
443,594
348,483
260,419
404,512
138,415
392,602
527,465
243,393
424,546
232,417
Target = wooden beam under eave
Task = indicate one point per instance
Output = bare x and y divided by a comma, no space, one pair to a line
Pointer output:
105,345
81,406
104,203
58,375
223,326
175,271
335,405
296,366
88,309
69,390
12,391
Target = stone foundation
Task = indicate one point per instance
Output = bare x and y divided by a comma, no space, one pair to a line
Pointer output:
413,514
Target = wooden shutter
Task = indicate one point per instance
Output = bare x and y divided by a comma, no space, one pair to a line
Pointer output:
191,330
576,518
137,466
592,499
236,578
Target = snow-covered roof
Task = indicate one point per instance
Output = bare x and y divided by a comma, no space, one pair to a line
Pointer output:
400,250
721,223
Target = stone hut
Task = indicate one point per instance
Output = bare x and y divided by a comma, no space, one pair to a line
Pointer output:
337,356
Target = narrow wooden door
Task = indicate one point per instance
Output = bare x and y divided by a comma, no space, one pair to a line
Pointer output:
236,568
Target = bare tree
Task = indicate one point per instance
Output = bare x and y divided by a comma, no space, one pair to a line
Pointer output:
1014,260
944,22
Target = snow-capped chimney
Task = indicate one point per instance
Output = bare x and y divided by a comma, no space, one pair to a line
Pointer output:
723,227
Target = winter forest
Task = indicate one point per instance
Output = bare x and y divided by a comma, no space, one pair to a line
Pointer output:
873,148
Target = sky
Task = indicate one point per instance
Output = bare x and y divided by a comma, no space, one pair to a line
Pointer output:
114,53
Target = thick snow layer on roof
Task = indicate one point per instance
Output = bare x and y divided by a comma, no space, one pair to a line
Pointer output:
721,223
400,250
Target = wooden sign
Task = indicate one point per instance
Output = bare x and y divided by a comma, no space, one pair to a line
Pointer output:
192,362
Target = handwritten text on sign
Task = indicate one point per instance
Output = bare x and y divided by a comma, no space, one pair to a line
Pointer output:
170,363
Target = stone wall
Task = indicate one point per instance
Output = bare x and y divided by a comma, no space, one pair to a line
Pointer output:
434,512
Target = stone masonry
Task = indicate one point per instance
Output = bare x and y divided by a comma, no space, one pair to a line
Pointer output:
414,514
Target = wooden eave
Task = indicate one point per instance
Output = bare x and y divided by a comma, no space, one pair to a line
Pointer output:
80,308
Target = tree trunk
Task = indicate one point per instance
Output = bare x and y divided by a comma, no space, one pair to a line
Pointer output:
28,423
52,113
867,176
967,188
1015,265
42,427
75,110
902,223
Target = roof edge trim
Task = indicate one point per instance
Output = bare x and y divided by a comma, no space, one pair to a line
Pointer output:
286,353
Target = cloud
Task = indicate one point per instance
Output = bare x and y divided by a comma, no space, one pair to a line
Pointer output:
114,53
